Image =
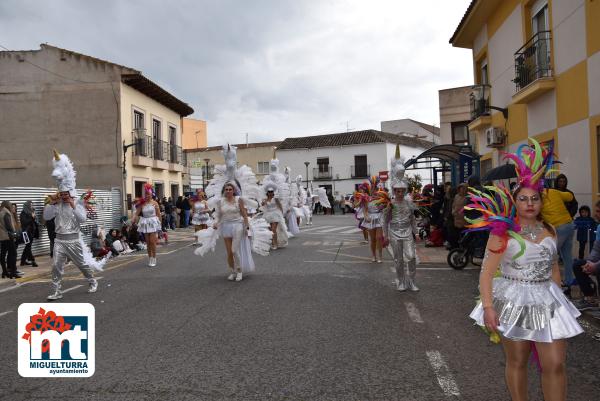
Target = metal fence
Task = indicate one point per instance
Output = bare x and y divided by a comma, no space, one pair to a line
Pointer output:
108,210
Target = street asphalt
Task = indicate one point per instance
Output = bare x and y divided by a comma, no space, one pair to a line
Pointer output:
316,321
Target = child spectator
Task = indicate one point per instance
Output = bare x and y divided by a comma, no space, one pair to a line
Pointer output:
586,227
97,245
436,237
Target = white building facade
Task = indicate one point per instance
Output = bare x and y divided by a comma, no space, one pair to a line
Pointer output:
339,162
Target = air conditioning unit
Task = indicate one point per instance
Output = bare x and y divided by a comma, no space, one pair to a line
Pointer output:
494,137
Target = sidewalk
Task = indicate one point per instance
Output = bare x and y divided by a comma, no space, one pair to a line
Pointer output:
44,268
432,255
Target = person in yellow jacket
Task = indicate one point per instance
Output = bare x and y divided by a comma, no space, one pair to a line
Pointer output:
556,213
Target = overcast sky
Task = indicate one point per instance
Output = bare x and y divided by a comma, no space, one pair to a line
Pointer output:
269,68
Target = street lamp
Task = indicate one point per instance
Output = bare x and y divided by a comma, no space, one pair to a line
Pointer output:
204,182
306,164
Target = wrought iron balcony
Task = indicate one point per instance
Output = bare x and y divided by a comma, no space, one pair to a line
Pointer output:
532,61
360,171
175,154
143,145
322,172
480,101
160,149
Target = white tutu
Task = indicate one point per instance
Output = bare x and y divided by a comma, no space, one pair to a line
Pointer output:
374,221
149,225
292,224
274,216
530,306
201,218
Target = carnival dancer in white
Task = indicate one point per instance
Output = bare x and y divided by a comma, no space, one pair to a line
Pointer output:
201,212
273,214
147,218
69,215
276,199
231,220
525,304
400,227
290,215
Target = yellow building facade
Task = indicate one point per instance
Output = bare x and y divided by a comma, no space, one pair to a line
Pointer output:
154,130
540,61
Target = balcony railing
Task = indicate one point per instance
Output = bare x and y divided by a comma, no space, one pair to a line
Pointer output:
159,149
322,173
532,61
175,154
360,171
480,101
143,145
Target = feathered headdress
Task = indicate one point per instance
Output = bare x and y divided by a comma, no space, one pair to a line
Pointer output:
89,202
498,215
64,173
148,188
398,180
532,164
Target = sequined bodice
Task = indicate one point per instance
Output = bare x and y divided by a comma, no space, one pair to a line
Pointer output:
148,210
199,207
270,206
373,209
535,264
230,211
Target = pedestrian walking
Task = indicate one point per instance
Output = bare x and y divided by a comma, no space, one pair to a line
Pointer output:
8,246
148,216
185,206
69,214
29,225
525,304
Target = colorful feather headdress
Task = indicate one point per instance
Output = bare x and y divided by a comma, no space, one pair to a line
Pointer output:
532,164
498,215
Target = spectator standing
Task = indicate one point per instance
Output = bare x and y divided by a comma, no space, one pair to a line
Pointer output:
586,226
343,204
583,268
556,213
331,202
169,214
29,225
458,216
179,210
185,206
8,248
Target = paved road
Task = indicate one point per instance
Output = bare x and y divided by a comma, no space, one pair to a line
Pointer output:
317,321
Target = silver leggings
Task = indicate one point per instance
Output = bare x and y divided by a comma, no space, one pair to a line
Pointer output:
404,253
68,250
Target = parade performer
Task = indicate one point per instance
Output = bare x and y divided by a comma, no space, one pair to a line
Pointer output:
366,199
201,212
359,204
291,214
230,192
68,215
400,227
274,203
302,211
525,304
147,213
323,199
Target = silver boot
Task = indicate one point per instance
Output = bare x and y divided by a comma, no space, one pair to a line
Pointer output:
412,272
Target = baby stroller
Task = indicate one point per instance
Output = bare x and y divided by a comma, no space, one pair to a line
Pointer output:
470,247
423,216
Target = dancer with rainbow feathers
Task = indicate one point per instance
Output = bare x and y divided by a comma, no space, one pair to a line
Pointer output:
524,304
367,204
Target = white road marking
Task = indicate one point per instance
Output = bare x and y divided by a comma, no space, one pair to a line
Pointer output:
17,285
313,228
442,373
353,231
413,312
330,230
72,288
5,313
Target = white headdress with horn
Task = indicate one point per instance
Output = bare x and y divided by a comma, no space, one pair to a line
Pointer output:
64,173
397,176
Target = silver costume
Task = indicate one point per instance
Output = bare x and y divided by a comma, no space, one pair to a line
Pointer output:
399,225
68,244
